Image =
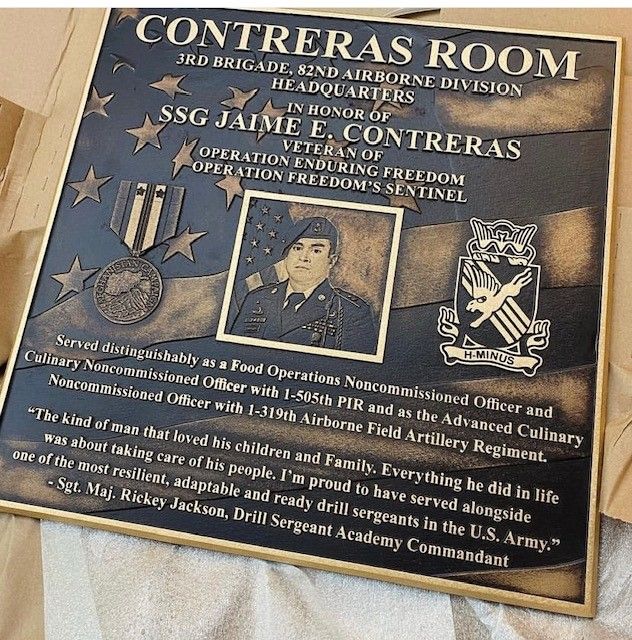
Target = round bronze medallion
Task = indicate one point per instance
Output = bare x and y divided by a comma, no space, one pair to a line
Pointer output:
128,290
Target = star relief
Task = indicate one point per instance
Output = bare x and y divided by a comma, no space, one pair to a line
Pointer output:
182,244
147,134
335,144
170,85
184,158
232,186
73,280
240,98
333,150
272,112
378,104
88,187
126,14
406,201
96,104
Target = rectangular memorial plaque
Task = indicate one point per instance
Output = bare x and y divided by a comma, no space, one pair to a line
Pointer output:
333,292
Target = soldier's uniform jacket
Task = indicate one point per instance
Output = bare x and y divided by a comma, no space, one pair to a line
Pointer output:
329,318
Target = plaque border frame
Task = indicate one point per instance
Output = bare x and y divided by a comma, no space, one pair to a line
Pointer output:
444,585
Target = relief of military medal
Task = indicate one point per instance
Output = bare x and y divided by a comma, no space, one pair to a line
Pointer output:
129,289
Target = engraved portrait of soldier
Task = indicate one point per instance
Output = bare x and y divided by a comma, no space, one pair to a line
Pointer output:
312,275
306,308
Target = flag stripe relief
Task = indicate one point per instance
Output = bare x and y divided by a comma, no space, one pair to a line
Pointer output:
120,206
144,218
132,223
173,215
157,204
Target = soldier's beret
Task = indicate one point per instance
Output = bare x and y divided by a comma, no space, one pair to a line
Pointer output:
316,227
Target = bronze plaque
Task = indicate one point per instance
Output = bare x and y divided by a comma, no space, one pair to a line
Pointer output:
330,291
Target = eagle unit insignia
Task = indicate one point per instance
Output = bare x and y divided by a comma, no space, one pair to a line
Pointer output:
493,321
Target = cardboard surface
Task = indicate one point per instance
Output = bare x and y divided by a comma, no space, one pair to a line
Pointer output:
33,43
21,586
34,167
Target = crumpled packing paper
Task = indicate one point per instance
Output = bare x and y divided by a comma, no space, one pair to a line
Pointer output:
103,586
